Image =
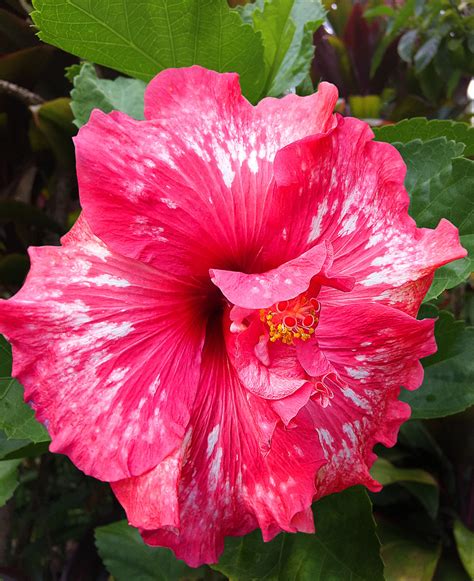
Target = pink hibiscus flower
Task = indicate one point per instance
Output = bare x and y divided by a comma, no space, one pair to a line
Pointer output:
224,332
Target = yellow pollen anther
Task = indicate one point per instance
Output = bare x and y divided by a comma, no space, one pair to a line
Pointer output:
293,319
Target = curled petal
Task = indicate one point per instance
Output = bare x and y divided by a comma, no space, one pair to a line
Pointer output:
343,187
380,352
258,291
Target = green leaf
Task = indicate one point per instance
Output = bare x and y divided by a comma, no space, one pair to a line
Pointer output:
16,417
386,473
90,92
8,446
440,185
426,161
8,479
426,53
345,546
287,28
421,128
406,555
55,121
381,10
127,557
396,24
447,387
465,545
406,45
419,483
144,37
449,276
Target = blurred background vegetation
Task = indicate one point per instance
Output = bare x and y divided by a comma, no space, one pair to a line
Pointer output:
390,60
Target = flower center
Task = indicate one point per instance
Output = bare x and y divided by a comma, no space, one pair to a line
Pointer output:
294,319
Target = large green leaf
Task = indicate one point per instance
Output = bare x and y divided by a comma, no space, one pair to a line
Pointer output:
8,479
440,185
16,418
143,37
386,473
90,92
465,544
421,484
420,128
287,28
127,557
345,546
406,555
447,387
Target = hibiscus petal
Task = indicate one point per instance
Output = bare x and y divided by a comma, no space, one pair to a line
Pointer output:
275,375
108,352
230,481
259,291
354,197
192,187
374,349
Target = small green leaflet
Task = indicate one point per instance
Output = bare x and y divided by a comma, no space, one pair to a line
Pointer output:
90,92
287,28
8,479
447,387
16,417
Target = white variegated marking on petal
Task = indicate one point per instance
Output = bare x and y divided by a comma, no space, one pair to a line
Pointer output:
212,439
317,221
355,399
359,373
108,280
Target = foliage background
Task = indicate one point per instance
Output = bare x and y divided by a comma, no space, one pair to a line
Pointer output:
390,60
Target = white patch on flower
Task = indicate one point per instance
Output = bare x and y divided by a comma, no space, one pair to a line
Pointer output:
212,439
109,280
96,249
215,470
154,385
349,431
118,374
143,227
366,344
359,373
224,165
252,161
170,203
349,225
107,330
374,278
374,239
317,221
326,440
355,399
75,312
382,260
298,450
